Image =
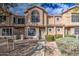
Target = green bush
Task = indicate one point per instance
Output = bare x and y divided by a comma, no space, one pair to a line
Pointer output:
58,36
73,36
50,38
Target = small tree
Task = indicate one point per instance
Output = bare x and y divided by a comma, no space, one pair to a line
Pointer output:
8,5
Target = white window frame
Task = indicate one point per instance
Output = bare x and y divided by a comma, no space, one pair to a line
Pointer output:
6,32
76,33
28,32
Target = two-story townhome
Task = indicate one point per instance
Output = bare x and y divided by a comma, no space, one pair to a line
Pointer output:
66,23
11,25
37,23
70,19
5,23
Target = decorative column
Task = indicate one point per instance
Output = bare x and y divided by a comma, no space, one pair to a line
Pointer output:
37,33
14,37
63,31
46,30
54,30
21,36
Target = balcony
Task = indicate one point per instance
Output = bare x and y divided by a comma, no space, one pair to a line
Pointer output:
4,24
35,24
18,25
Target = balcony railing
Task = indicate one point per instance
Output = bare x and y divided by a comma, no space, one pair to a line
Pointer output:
34,24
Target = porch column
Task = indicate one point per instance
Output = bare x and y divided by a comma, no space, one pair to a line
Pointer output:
37,33
21,36
46,30
14,37
54,30
63,31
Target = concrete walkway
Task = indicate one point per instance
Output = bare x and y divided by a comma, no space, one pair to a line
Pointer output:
54,47
1,44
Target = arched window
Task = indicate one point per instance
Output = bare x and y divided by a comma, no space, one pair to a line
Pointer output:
35,16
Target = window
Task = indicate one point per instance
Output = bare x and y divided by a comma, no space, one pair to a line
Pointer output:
58,28
35,16
75,17
2,18
6,31
31,32
21,21
49,29
76,30
18,20
57,18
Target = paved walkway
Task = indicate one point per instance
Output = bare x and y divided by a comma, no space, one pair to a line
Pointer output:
1,44
42,45
52,45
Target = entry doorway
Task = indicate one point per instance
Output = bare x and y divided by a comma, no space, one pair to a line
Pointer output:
41,33
18,32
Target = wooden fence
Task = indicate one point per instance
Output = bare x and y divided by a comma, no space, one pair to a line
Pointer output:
6,45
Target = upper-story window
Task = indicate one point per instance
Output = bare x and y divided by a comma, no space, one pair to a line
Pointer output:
35,17
75,17
18,20
21,21
2,18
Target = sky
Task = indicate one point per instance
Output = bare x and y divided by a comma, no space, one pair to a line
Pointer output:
51,8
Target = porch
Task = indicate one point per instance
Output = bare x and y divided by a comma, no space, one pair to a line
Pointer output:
35,33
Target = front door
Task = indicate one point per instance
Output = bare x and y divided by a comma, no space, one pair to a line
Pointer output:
19,32
41,33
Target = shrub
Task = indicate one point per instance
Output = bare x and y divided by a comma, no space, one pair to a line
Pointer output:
73,36
58,36
50,38
68,46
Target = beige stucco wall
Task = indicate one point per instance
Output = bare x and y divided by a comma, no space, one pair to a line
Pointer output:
45,18
71,32
51,20
58,22
67,18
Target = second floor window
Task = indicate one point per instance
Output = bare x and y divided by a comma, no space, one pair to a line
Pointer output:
2,18
35,17
21,20
18,20
75,17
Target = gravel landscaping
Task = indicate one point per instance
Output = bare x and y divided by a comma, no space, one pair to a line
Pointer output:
68,46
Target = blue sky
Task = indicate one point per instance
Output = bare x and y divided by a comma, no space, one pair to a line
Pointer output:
51,8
